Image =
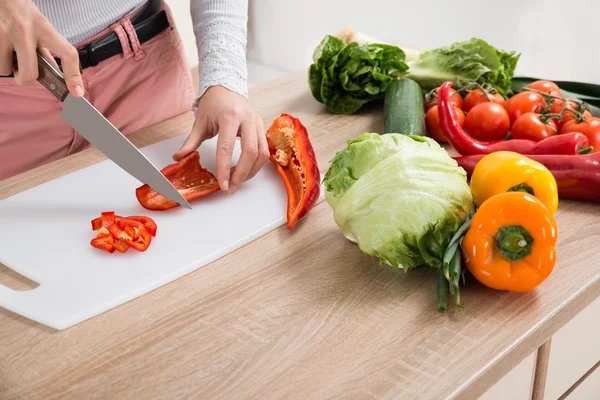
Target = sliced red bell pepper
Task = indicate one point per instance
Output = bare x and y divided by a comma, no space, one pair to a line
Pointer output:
108,218
188,177
148,222
141,238
119,233
105,221
121,245
294,157
104,242
96,223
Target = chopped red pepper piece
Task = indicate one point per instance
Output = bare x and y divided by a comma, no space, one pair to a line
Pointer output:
105,221
294,157
121,245
119,233
188,177
141,237
147,221
104,242
96,223
108,218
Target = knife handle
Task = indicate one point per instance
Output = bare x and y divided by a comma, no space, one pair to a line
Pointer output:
50,77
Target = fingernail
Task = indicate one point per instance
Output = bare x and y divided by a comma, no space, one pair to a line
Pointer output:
225,185
78,90
232,189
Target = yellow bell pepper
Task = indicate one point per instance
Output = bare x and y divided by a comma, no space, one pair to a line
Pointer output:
507,171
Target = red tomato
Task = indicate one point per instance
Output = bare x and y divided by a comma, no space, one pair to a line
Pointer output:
529,126
455,98
590,128
432,122
477,96
546,87
487,121
522,103
557,107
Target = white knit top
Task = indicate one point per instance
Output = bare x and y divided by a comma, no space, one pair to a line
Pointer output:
220,27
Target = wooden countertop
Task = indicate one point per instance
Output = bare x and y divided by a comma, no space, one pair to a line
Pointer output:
301,314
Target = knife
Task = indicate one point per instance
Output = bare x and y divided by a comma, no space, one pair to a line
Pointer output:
92,125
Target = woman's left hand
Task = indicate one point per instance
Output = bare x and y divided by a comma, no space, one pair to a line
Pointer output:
224,112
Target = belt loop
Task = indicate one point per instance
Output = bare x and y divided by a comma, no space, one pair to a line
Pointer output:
134,40
118,29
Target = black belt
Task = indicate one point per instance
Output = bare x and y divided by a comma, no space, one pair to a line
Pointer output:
147,23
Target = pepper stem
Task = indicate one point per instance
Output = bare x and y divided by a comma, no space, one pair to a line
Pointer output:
522,187
514,242
585,150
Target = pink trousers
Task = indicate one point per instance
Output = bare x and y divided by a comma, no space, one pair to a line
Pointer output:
144,85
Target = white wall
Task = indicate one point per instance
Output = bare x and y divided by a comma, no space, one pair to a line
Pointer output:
556,41
183,20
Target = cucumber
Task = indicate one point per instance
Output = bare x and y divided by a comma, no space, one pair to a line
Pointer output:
403,109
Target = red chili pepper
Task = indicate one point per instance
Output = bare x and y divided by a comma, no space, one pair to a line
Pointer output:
294,157
577,176
466,145
188,177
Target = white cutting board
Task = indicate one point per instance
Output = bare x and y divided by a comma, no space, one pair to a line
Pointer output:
45,235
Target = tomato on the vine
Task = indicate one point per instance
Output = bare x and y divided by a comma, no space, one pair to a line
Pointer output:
523,103
548,87
487,122
529,126
477,96
432,122
568,114
455,98
590,128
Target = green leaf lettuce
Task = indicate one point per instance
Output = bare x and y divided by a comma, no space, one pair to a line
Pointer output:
344,77
473,60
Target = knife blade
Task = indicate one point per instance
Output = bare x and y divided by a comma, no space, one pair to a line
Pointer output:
80,114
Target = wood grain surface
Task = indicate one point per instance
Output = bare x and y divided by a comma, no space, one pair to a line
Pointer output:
542,359
297,315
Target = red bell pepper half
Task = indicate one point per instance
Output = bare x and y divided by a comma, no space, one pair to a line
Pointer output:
188,177
294,157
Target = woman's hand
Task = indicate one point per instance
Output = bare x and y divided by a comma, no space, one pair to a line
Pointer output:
230,115
23,29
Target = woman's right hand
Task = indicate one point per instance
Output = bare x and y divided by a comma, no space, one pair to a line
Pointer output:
23,29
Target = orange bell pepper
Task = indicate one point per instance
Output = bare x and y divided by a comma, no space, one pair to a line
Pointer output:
507,171
511,242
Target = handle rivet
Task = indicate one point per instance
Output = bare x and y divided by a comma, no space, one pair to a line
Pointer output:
52,86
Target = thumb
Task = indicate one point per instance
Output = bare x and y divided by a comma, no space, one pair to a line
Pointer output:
69,59
198,134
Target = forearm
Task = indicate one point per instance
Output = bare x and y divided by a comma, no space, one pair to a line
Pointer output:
220,27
